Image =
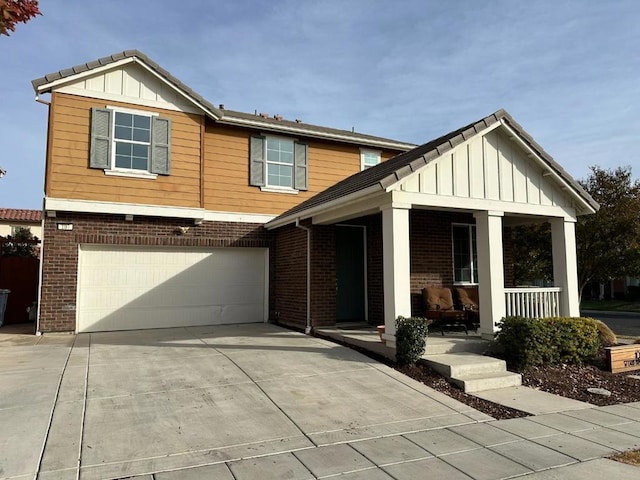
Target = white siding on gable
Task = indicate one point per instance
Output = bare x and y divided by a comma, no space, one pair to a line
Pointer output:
490,167
130,83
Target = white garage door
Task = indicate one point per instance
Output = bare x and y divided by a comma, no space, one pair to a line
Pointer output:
125,288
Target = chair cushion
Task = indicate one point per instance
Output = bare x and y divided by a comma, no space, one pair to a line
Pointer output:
468,296
434,296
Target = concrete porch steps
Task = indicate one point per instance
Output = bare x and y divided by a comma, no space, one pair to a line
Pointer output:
437,345
473,372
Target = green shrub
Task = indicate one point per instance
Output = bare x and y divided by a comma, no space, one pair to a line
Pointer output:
526,342
411,334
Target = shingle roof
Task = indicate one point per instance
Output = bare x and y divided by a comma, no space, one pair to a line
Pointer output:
234,117
387,173
20,215
224,116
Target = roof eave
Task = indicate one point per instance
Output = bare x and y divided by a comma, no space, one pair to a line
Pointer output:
210,111
310,212
309,132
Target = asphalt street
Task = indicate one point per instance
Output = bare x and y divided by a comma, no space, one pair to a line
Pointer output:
622,323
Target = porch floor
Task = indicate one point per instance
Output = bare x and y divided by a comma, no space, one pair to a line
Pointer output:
366,336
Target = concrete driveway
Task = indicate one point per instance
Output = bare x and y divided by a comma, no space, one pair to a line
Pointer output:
121,404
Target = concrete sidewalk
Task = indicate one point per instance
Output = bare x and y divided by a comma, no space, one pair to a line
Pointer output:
257,401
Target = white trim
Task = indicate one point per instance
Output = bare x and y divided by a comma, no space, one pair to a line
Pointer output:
480,204
229,119
132,111
325,206
265,313
212,216
88,206
470,227
87,73
113,172
290,191
79,271
363,152
130,172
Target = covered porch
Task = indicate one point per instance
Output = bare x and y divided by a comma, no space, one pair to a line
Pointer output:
483,178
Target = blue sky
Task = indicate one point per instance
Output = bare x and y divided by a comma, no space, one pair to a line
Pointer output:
568,71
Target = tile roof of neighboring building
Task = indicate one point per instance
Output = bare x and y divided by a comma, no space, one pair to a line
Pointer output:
395,169
42,85
20,215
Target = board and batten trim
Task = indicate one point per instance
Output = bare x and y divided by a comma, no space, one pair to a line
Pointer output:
66,85
86,206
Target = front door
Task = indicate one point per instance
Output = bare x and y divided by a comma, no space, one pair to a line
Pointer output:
350,273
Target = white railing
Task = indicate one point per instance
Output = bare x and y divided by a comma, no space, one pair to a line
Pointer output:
532,302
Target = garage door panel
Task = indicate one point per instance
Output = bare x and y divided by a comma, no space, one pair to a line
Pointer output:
121,288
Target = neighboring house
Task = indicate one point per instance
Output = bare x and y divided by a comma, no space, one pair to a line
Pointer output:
12,218
163,210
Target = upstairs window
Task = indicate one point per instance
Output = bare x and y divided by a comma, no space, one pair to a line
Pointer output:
465,254
278,164
130,143
132,138
369,158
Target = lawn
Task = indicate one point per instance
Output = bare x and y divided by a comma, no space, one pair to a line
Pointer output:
610,305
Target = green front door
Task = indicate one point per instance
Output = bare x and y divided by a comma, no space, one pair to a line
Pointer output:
350,302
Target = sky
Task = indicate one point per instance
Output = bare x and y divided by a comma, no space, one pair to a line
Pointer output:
567,70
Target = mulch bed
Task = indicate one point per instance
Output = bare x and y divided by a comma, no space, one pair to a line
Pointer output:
572,381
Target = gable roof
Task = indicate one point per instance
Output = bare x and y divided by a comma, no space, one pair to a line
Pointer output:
20,215
401,166
50,81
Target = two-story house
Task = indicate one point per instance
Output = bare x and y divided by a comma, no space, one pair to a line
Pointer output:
164,210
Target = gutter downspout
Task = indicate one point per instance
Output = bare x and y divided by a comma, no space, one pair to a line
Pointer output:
307,329
39,100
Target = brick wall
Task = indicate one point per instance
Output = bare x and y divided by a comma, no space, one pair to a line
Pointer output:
431,251
323,275
60,251
290,277
290,307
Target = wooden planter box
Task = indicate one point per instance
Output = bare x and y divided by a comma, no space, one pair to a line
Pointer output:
624,358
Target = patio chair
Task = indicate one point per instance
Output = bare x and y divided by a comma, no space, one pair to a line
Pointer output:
467,300
439,308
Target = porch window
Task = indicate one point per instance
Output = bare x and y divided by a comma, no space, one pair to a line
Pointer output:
465,254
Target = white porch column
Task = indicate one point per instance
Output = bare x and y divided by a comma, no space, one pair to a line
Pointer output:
490,270
565,266
396,267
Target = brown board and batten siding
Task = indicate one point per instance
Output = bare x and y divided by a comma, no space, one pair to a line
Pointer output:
226,171
70,177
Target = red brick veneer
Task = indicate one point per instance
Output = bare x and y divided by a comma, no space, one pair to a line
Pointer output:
60,251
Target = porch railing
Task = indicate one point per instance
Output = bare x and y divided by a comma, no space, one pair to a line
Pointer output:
532,302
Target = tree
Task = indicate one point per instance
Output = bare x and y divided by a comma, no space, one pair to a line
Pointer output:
16,11
532,256
21,244
608,242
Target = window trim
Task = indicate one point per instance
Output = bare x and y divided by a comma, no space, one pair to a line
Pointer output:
129,172
277,188
363,152
471,227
